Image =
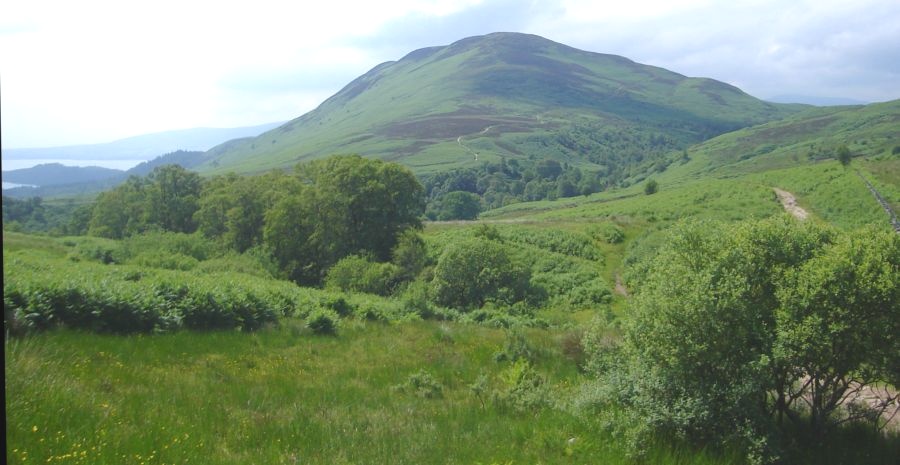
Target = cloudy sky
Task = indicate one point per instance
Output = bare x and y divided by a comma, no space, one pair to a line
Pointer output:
91,71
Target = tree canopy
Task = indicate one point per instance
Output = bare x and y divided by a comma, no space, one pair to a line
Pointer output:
735,328
307,220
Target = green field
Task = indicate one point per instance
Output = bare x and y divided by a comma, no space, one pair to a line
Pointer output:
498,341
394,390
283,395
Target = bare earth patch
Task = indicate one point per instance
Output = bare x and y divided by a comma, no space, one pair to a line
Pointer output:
790,204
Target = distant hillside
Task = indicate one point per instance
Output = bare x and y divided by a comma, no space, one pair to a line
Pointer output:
506,95
54,174
55,180
187,159
143,147
812,135
814,100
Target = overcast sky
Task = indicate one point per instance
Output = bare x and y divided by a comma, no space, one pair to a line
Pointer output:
91,71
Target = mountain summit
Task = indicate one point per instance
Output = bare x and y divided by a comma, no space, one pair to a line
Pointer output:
503,95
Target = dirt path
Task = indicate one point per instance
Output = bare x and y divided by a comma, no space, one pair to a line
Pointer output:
620,286
790,204
466,147
895,223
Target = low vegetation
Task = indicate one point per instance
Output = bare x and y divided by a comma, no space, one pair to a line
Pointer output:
699,324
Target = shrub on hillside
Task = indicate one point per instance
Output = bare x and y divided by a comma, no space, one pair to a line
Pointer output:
740,334
38,294
423,385
522,388
360,274
471,272
164,260
323,322
608,232
338,305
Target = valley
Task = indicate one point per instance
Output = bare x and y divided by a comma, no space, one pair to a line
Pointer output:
503,250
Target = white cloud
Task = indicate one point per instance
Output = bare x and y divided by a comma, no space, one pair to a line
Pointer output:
96,70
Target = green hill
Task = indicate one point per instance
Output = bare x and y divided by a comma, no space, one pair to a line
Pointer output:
732,176
811,135
54,174
505,95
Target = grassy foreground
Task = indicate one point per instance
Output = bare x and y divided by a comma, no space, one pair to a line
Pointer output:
284,395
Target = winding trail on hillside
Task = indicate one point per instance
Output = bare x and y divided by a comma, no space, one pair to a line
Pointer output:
790,204
884,204
469,149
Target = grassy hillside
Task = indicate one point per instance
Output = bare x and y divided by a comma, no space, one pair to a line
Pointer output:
388,388
503,95
812,135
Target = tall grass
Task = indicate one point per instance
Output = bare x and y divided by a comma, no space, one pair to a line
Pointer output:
283,395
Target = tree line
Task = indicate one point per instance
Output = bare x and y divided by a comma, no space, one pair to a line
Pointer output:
307,219
462,193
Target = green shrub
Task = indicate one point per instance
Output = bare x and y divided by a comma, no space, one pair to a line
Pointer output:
515,348
246,263
470,272
423,385
338,305
166,261
562,242
43,293
360,274
522,388
323,322
98,250
191,245
410,255
415,299
609,233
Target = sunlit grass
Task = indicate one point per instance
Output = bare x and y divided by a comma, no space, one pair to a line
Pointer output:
284,396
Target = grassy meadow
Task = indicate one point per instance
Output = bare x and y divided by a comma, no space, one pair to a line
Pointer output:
283,395
394,383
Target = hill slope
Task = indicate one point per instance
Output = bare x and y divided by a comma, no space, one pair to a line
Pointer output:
52,174
505,95
812,135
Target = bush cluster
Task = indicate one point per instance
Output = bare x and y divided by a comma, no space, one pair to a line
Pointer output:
39,294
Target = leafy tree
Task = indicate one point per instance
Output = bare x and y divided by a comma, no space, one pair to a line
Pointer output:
651,187
171,195
410,255
79,221
548,169
297,236
838,326
120,212
234,207
336,207
471,272
360,274
843,155
459,205
166,199
734,324
373,201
